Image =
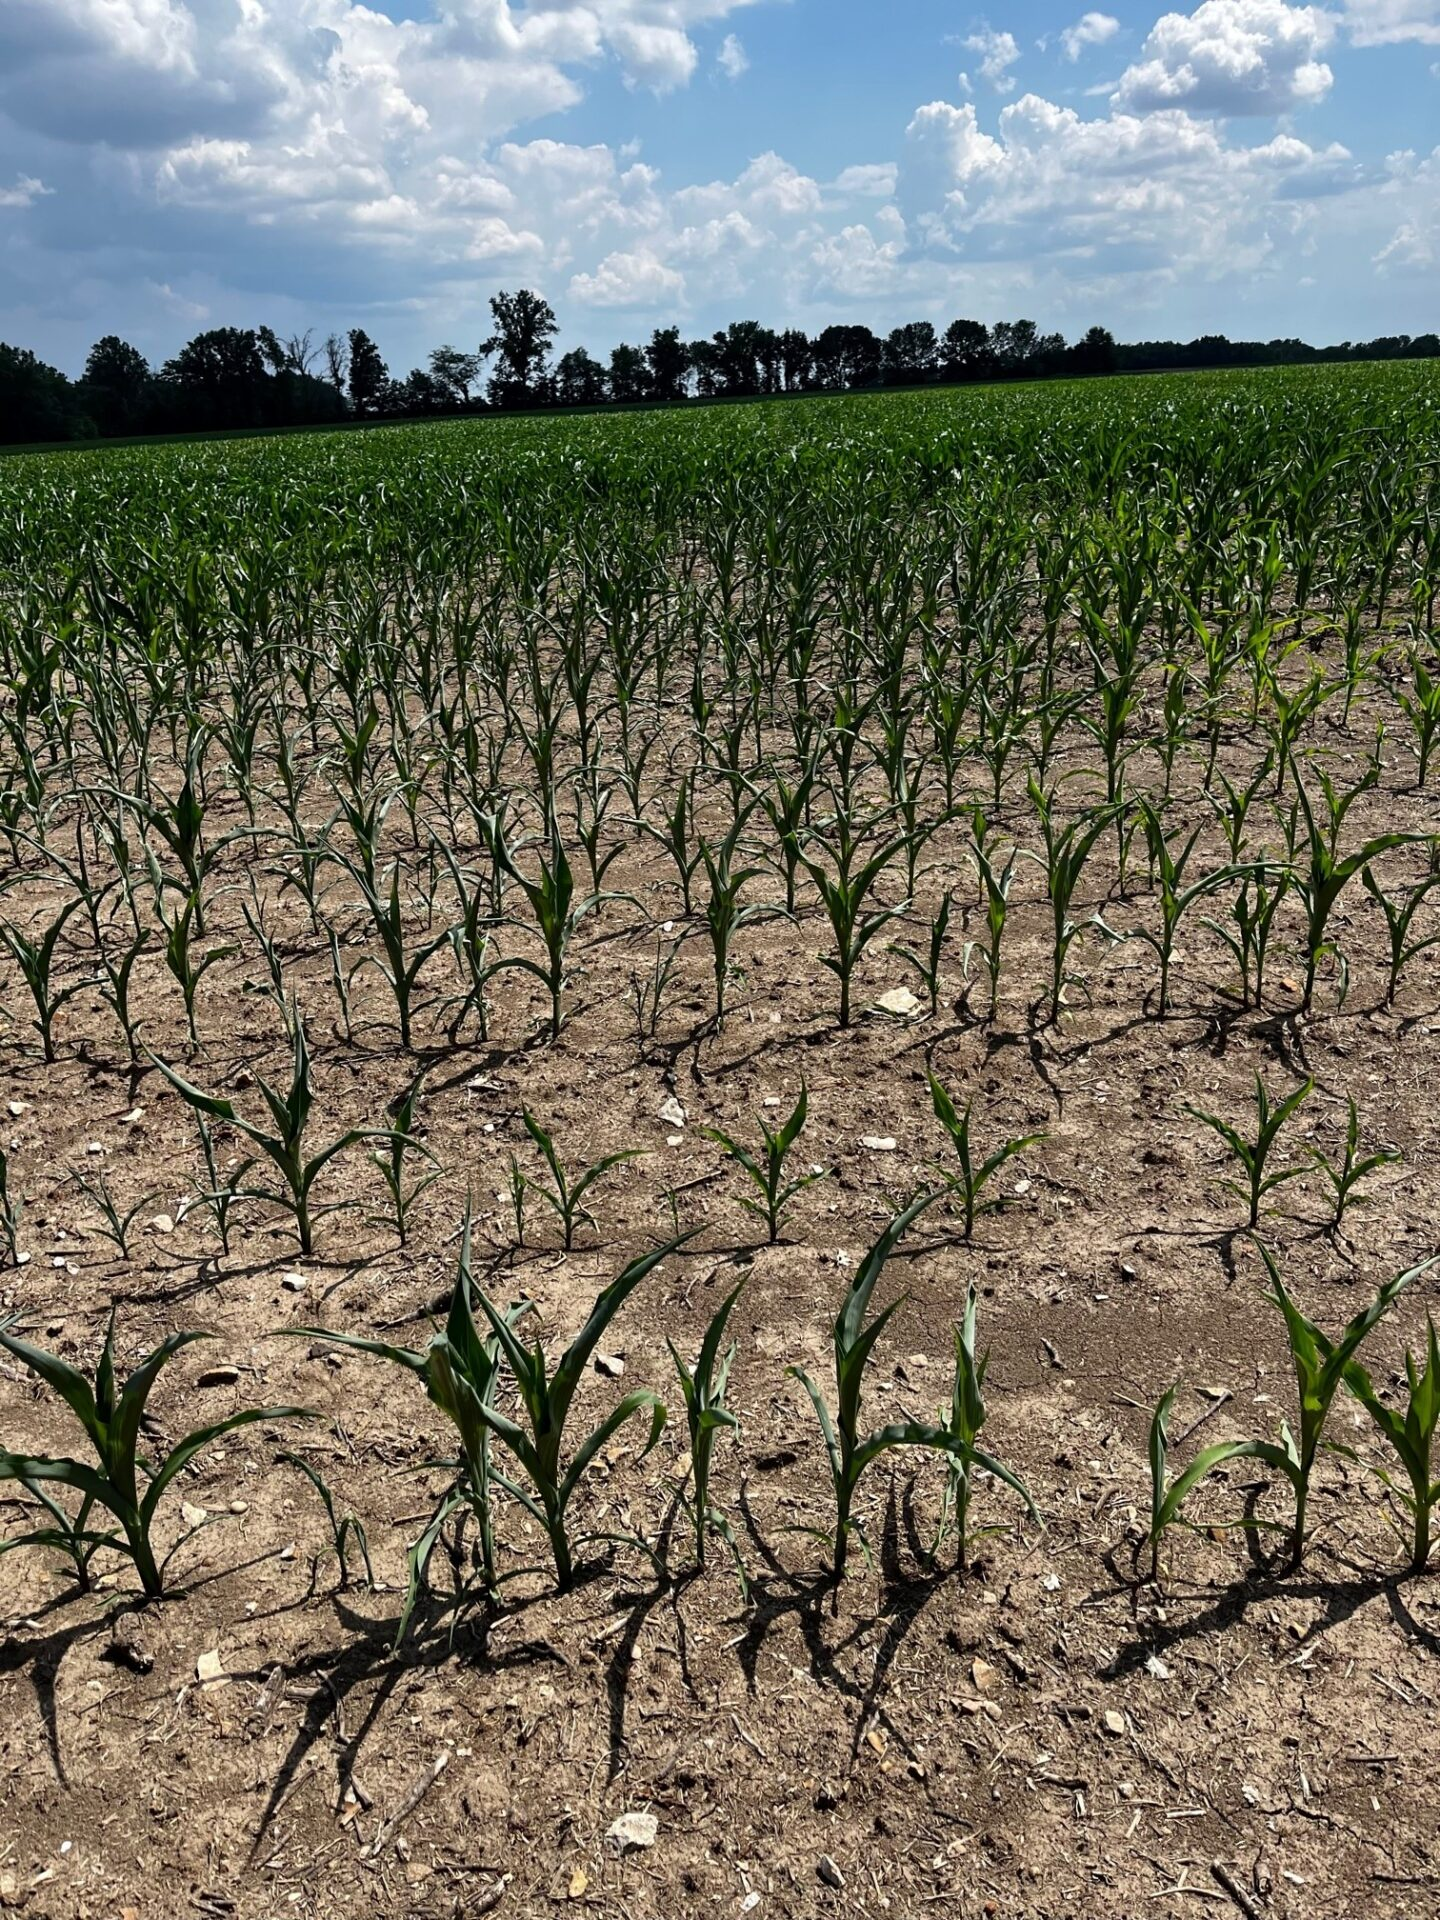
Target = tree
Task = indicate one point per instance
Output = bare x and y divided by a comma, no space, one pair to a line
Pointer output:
455,373
117,385
37,402
847,356
218,379
668,359
271,351
797,359
368,373
964,351
629,376
1095,353
912,355
525,327
337,361
580,380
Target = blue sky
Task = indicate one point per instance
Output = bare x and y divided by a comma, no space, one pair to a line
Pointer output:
1248,166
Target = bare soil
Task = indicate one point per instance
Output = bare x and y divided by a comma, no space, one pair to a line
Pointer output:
1044,1734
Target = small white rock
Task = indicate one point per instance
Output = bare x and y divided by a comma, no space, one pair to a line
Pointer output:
877,1142
901,1002
162,1223
294,1282
610,1365
633,1830
193,1516
671,1112
210,1669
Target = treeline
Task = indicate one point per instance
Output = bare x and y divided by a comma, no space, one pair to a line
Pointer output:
238,377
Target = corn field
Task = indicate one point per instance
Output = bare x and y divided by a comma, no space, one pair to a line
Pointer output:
848,986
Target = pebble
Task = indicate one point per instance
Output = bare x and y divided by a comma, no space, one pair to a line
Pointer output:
610,1365
877,1142
671,1112
293,1282
162,1223
1113,1722
829,1872
633,1830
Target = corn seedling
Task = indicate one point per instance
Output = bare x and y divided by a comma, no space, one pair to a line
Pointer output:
767,1172
110,1415
844,894
1412,1435
1066,851
1398,919
219,1195
546,1400
11,1211
1320,1365
1320,876
568,1194
703,1389
1168,1496
1254,1155
114,1224
460,1369
1346,1174
971,1180
848,1451
342,1531
964,1422
391,1164
285,1148
35,960
1176,899
928,965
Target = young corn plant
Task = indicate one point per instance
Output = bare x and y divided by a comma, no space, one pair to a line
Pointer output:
767,1171
928,964
1412,1434
1249,927
703,1388
1421,707
844,894
996,882
391,1164
545,1402
964,1423
342,1531
971,1181
285,1147
1168,1496
724,912
460,1369
1320,1366
1320,877
114,1224
11,1212
566,1201
1399,915
219,1195
35,960
1176,899
1346,1174
557,912
848,1451
401,966
111,1415
1254,1155
1066,851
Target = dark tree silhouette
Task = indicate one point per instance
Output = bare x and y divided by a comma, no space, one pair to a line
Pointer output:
367,372
668,359
525,327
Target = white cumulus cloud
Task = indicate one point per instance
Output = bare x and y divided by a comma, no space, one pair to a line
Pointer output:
1232,57
1090,30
